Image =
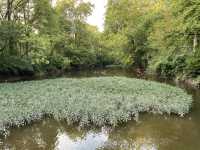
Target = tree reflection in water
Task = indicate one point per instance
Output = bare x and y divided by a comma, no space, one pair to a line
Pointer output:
153,132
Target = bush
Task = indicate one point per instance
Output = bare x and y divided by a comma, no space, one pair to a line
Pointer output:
172,66
104,59
15,66
180,64
82,58
56,62
193,67
165,69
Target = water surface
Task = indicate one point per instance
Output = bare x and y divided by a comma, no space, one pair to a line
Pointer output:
152,132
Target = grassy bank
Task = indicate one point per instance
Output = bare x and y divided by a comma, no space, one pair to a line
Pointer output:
100,101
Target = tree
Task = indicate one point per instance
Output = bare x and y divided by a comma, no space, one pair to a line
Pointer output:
73,19
188,12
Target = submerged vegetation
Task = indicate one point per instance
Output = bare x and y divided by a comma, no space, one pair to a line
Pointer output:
99,101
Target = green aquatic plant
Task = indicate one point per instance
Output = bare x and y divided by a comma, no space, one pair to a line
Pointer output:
98,101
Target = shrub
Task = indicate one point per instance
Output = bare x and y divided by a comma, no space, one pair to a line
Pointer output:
15,66
57,62
193,65
165,69
180,64
172,66
103,59
82,58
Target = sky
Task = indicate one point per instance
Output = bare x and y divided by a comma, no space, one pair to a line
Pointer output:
97,17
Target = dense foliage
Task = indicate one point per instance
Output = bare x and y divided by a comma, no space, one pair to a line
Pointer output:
156,35
47,37
100,101
161,36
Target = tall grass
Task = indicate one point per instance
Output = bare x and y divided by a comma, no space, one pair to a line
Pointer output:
98,101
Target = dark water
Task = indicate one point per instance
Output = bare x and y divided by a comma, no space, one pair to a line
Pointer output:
152,132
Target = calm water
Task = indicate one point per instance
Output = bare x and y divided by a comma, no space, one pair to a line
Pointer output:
152,132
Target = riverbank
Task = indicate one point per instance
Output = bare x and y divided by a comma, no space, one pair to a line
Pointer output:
98,101
193,82
107,71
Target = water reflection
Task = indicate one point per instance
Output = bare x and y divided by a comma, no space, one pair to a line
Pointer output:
90,141
152,133
50,134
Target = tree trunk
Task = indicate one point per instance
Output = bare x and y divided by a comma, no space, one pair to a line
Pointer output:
9,9
195,42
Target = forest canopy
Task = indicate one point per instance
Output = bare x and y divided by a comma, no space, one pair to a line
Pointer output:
160,36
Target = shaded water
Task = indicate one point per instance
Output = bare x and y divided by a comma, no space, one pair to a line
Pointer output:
152,132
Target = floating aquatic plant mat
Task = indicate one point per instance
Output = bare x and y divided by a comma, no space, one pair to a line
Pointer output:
98,101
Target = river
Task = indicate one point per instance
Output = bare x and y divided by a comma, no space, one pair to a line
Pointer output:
151,132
